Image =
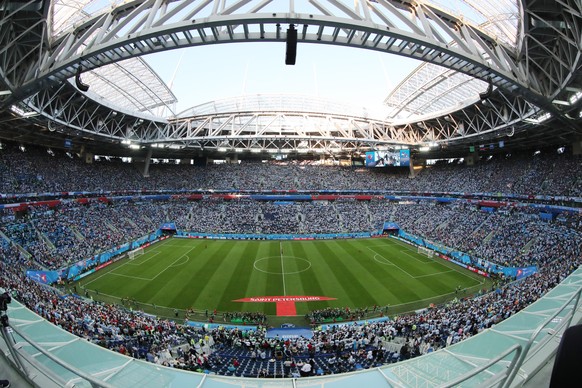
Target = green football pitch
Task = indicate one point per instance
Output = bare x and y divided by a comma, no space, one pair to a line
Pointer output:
213,274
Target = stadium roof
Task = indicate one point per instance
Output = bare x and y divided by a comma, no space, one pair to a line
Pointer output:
466,73
500,18
427,90
433,89
130,84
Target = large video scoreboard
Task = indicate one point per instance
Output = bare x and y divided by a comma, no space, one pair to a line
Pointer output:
388,158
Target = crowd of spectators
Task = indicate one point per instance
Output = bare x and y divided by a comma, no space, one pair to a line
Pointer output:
64,234
33,171
52,237
59,236
508,236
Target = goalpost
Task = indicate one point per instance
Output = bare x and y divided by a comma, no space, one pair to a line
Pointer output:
425,251
136,252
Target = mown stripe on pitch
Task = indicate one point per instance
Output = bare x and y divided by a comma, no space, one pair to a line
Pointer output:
411,262
356,293
179,291
275,279
188,282
398,283
370,278
437,283
154,266
274,284
375,275
384,274
425,286
296,269
308,281
326,278
218,273
239,278
196,276
260,282
407,260
161,289
450,277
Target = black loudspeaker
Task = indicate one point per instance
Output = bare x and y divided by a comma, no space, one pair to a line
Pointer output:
566,369
80,85
291,42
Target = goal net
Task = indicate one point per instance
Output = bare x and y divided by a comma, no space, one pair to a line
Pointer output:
425,251
136,252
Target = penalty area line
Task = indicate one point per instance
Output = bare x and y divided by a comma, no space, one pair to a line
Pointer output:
129,276
175,261
151,255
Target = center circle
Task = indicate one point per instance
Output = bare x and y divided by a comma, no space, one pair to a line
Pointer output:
302,264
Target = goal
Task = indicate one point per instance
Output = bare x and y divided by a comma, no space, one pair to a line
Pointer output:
425,251
136,252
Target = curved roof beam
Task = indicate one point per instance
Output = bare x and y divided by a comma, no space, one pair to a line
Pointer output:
533,78
73,112
405,28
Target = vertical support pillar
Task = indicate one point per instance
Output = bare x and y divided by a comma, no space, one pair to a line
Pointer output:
472,159
411,169
146,167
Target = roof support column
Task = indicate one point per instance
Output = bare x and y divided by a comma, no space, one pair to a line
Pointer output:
146,167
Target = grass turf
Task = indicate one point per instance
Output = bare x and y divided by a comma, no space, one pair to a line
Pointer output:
211,274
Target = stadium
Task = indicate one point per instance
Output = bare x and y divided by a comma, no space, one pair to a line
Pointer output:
289,239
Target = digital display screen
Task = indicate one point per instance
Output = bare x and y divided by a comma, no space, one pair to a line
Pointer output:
399,158
168,226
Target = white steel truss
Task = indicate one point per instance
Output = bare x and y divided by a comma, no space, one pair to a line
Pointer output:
536,79
416,30
66,110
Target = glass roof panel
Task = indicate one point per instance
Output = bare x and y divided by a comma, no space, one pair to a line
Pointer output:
499,18
130,84
66,13
430,89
